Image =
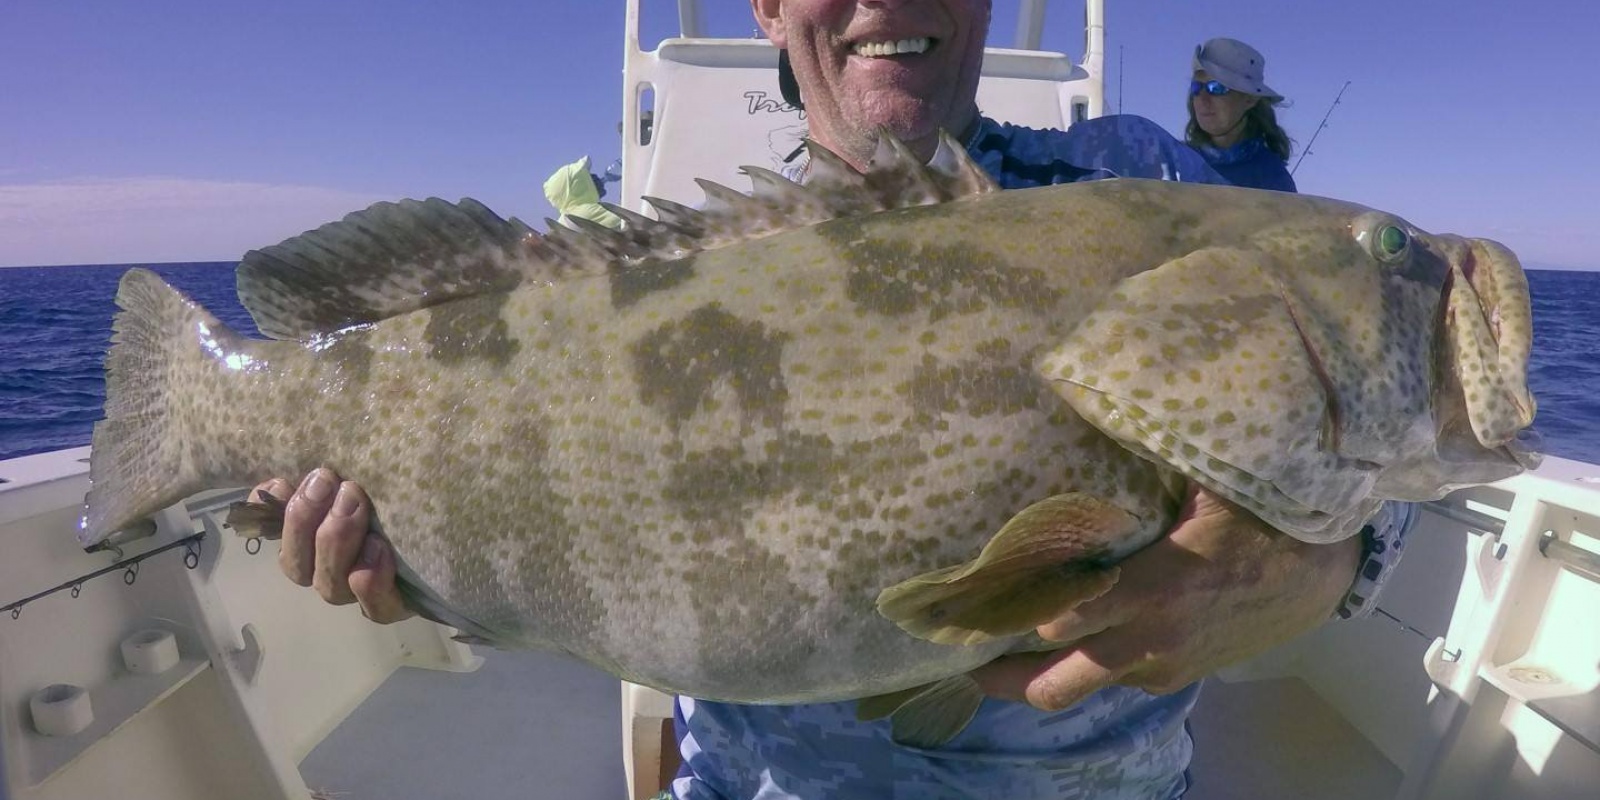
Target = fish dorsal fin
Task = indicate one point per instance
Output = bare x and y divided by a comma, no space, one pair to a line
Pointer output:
895,178
393,258
388,259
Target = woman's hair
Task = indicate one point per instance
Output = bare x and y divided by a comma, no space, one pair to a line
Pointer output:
1260,121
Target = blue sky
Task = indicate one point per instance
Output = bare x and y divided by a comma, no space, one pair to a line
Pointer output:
177,130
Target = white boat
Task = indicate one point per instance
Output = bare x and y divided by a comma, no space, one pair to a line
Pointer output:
1479,679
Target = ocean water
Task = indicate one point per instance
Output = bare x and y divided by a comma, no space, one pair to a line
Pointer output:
55,325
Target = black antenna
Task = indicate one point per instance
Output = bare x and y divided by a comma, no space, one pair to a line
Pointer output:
1120,48
1324,124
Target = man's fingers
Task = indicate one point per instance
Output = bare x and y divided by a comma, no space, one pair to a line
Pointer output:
372,582
1117,607
1093,617
338,544
1069,678
326,545
1008,677
277,487
1049,681
305,510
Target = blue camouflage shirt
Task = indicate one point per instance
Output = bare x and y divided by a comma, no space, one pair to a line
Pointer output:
1118,146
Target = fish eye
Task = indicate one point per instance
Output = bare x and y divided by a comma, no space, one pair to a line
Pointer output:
1385,237
1391,242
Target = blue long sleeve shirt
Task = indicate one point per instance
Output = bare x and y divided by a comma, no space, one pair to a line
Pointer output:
1250,163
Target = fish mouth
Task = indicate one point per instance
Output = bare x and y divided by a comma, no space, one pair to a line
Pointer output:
1480,405
887,48
1495,310
1481,396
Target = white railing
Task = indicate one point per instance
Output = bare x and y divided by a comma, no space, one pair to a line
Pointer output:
690,85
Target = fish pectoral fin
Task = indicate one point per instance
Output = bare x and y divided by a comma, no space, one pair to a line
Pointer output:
882,705
1045,560
937,713
260,517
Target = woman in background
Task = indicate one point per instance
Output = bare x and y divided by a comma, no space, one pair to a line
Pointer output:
1231,118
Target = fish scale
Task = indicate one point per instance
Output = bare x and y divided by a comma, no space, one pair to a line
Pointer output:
830,441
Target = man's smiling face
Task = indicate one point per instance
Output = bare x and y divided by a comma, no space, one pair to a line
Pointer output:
910,66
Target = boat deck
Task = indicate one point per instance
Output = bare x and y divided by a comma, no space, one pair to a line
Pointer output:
541,725
522,725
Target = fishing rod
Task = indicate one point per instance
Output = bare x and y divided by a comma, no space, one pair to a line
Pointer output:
1324,124
1120,48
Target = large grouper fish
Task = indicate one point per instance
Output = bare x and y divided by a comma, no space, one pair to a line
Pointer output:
831,441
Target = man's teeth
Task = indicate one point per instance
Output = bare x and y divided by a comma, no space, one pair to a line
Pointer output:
879,49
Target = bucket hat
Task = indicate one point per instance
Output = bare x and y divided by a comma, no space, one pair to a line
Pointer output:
1237,65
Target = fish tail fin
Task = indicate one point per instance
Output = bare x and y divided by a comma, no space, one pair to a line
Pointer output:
141,458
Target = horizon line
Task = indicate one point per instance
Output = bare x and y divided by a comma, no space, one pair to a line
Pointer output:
1535,266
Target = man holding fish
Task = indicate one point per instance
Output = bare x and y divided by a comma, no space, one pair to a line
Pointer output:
1221,587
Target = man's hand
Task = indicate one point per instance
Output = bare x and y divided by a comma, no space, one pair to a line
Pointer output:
1220,588
325,545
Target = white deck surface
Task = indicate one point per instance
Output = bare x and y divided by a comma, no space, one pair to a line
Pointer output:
525,725
532,725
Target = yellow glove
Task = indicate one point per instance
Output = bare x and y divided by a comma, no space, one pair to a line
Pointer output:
572,191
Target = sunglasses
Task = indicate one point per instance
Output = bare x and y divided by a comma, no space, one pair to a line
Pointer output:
1213,88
